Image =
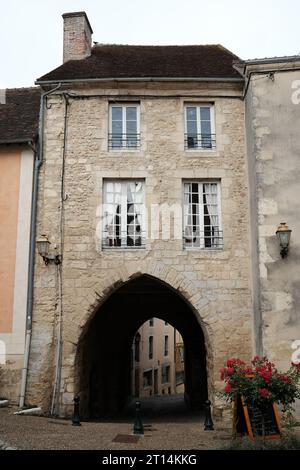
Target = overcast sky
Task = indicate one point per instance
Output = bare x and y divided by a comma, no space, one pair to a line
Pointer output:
31,31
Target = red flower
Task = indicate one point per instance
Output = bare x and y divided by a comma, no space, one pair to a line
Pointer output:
247,371
283,377
264,392
235,361
255,359
261,384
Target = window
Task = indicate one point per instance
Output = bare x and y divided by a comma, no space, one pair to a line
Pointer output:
202,218
179,377
137,341
150,349
147,378
165,374
151,322
123,222
166,346
124,126
200,128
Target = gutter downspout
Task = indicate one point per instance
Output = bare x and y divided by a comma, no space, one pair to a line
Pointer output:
37,165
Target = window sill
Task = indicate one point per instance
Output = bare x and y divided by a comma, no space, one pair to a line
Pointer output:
122,248
200,151
124,150
203,250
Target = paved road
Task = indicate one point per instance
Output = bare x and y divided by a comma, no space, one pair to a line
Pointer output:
166,407
186,432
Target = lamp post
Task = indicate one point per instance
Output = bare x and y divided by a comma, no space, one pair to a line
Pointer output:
283,234
43,246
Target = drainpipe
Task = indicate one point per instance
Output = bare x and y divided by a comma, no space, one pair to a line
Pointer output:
37,165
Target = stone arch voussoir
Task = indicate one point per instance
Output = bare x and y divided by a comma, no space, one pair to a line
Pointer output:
167,274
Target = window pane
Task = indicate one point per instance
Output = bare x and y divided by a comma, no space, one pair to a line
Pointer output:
195,188
117,187
131,114
131,127
205,128
205,113
109,187
191,113
116,113
191,127
116,127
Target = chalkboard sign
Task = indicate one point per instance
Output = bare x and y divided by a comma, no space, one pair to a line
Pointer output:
256,423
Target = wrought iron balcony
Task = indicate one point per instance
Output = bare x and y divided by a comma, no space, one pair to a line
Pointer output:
199,141
123,241
124,141
209,239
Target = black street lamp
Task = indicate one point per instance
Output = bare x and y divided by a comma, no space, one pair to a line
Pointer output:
283,234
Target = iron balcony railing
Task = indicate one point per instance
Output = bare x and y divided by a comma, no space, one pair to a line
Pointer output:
124,241
209,239
199,141
124,141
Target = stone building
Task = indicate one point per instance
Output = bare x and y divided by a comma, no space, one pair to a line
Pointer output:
179,362
153,359
160,178
272,101
19,109
143,194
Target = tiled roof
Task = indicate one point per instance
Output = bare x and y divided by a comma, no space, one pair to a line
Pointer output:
124,61
19,114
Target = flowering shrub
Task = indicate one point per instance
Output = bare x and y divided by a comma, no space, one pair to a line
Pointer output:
261,383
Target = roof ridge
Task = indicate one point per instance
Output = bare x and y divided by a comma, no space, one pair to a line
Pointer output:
101,44
23,88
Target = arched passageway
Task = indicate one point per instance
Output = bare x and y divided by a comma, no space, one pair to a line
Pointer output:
104,352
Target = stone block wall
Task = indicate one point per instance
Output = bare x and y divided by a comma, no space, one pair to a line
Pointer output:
216,283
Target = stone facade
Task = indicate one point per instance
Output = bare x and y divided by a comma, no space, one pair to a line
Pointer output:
216,283
148,377
273,120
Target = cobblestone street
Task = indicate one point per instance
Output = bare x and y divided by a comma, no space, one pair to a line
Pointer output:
34,432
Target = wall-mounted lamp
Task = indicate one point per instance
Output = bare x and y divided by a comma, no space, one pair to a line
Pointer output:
43,245
283,234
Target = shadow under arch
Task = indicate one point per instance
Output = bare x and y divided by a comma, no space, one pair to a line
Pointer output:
103,359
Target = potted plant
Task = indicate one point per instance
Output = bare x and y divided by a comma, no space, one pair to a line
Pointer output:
260,385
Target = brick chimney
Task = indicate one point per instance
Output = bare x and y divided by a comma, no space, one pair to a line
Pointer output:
77,36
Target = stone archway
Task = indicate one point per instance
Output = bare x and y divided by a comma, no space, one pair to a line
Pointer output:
103,355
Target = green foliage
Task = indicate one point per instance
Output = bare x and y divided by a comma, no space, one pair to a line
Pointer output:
288,441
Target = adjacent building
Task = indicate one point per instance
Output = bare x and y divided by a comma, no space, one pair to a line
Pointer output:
153,367
19,116
272,128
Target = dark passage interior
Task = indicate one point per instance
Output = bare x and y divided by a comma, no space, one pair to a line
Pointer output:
104,352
